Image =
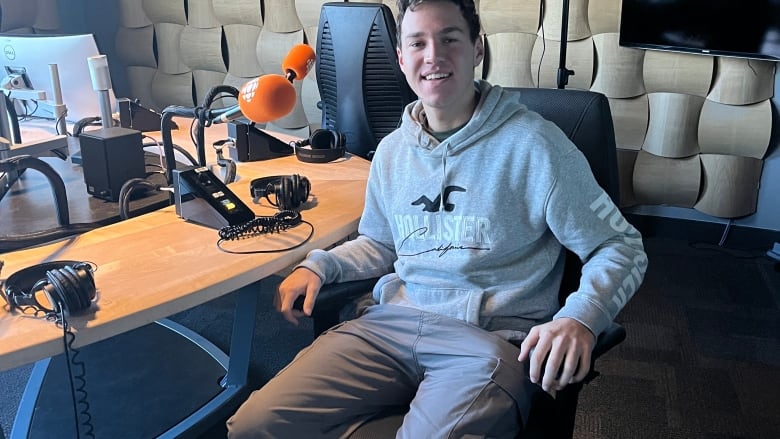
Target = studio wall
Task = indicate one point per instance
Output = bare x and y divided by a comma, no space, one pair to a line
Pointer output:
694,132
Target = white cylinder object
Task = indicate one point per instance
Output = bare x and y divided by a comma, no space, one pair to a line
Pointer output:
98,71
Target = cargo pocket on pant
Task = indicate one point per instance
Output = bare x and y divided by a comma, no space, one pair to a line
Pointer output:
501,408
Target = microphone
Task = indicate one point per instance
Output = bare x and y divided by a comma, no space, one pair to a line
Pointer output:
262,100
298,62
270,97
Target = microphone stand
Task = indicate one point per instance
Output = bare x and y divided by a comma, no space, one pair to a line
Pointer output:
563,72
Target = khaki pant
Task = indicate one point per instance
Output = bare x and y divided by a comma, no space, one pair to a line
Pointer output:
457,380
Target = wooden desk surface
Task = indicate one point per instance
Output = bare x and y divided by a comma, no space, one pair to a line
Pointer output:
157,264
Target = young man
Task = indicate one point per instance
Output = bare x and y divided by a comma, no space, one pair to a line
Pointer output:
467,206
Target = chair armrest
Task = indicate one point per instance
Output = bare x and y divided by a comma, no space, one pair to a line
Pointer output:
332,298
611,337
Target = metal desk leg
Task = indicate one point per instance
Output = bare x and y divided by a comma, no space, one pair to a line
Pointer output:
235,380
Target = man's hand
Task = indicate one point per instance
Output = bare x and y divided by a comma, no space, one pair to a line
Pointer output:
301,282
566,345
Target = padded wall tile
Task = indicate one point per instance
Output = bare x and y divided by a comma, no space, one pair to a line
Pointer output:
604,16
579,57
242,50
510,59
729,185
272,47
677,72
630,118
168,36
140,82
201,14
204,81
309,16
17,14
238,12
135,46
659,180
552,21
173,89
47,17
626,159
500,16
742,81
237,82
673,128
132,14
280,16
618,69
201,49
735,130
168,11
310,96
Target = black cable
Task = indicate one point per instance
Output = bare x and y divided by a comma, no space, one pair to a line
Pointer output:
128,189
78,392
15,242
261,225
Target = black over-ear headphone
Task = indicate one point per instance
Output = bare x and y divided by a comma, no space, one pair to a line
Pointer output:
289,191
326,146
69,287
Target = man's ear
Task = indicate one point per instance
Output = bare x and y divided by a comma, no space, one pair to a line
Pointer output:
479,51
400,59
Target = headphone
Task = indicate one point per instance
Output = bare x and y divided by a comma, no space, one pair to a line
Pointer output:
325,146
69,287
289,191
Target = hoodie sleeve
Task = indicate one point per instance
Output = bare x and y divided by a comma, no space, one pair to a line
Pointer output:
371,254
586,221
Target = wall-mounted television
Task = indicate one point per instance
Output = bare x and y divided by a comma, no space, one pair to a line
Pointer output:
744,28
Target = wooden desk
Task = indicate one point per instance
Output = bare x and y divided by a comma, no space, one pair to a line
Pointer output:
155,265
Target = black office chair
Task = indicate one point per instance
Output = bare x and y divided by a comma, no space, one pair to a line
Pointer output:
586,119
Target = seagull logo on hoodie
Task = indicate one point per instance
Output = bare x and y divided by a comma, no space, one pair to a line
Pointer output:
433,206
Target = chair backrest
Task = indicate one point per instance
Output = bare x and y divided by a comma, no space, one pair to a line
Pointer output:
362,87
585,117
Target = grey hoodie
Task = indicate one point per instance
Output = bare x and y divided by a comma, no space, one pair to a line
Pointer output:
472,227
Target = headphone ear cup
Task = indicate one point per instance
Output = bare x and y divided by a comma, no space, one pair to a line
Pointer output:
284,196
301,192
322,139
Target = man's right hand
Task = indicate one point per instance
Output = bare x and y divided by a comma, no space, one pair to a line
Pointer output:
302,282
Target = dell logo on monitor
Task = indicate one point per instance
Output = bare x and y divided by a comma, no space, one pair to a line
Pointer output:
9,52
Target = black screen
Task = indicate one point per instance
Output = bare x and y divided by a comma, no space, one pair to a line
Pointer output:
741,28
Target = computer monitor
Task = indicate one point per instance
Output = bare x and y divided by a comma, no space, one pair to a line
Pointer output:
26,60
362,89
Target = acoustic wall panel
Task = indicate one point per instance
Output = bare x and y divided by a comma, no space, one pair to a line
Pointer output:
735,130
729,185
672,182
742,81
673,127
619,69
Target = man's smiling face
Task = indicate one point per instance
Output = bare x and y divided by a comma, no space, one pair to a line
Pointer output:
438,57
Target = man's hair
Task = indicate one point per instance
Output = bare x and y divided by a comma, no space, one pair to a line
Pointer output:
467,10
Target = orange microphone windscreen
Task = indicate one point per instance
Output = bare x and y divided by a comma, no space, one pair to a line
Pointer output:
266,98
299,61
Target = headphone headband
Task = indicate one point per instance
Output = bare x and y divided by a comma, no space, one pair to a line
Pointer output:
325,146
